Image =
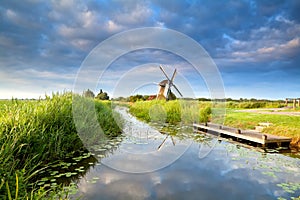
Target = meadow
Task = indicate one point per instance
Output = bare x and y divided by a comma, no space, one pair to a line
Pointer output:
37,133
188,112
282,125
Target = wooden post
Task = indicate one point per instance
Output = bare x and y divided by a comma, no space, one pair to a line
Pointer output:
238,131
286,102
294,104
264,137
298,102
220,127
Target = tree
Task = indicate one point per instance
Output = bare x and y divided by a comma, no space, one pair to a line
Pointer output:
136,97
102,95
88,94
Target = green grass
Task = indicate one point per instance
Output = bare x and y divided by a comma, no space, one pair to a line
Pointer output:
254,104
283,125
171,111
37,132
191,111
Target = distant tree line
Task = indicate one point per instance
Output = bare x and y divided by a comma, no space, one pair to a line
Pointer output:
101,95
238,100
247,103
133,98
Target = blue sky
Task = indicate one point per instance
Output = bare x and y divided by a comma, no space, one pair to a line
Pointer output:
255,44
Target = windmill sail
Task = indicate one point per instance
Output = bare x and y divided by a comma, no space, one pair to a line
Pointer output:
169,95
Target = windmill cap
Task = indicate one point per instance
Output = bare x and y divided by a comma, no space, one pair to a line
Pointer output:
163,83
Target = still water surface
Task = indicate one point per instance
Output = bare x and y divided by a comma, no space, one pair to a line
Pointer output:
145,164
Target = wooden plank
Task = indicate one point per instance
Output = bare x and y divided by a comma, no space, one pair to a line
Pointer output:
225,132
249,135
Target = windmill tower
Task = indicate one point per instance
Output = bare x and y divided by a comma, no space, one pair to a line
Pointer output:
167,83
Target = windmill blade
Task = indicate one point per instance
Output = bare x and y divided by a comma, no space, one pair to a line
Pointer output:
160,146
173,141
168,92
177,90
173,76
164,72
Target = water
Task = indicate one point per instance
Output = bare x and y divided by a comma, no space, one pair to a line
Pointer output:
149,165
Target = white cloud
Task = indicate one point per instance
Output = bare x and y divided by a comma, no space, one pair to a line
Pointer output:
20,19
281,18
32,83
137,15
113,27
47,35
274,51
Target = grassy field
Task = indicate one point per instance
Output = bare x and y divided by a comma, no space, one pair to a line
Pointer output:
188,112
283,125
38,132
254,104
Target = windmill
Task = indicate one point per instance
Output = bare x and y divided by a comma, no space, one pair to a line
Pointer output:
169,84
164,141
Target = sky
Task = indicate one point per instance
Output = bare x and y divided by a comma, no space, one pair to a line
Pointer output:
255,46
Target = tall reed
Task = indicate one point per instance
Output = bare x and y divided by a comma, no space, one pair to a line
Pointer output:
172,111
37,132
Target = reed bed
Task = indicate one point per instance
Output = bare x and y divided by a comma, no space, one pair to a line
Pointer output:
38,132
172,111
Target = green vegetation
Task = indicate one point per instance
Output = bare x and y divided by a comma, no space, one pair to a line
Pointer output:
89,94
34,134
283,125
102,96
254,104
192,111
138,97
171,111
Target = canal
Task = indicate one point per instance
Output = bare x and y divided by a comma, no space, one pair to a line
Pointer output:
143,163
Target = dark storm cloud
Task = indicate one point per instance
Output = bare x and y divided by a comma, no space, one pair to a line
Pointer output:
242,36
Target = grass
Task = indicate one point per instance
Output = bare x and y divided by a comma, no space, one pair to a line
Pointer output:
37,132
254,104
172,112
191,111
283,125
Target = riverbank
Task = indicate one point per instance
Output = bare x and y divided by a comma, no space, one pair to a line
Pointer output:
173,172
34,133
281,124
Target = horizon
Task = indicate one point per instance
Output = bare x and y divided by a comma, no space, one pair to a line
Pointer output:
144,94
255,46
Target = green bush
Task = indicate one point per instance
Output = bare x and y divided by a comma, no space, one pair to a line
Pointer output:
205,114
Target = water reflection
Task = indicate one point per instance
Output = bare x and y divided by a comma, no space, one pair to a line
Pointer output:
144,148
226,172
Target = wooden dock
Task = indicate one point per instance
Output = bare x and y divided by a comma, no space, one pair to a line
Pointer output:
250,137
